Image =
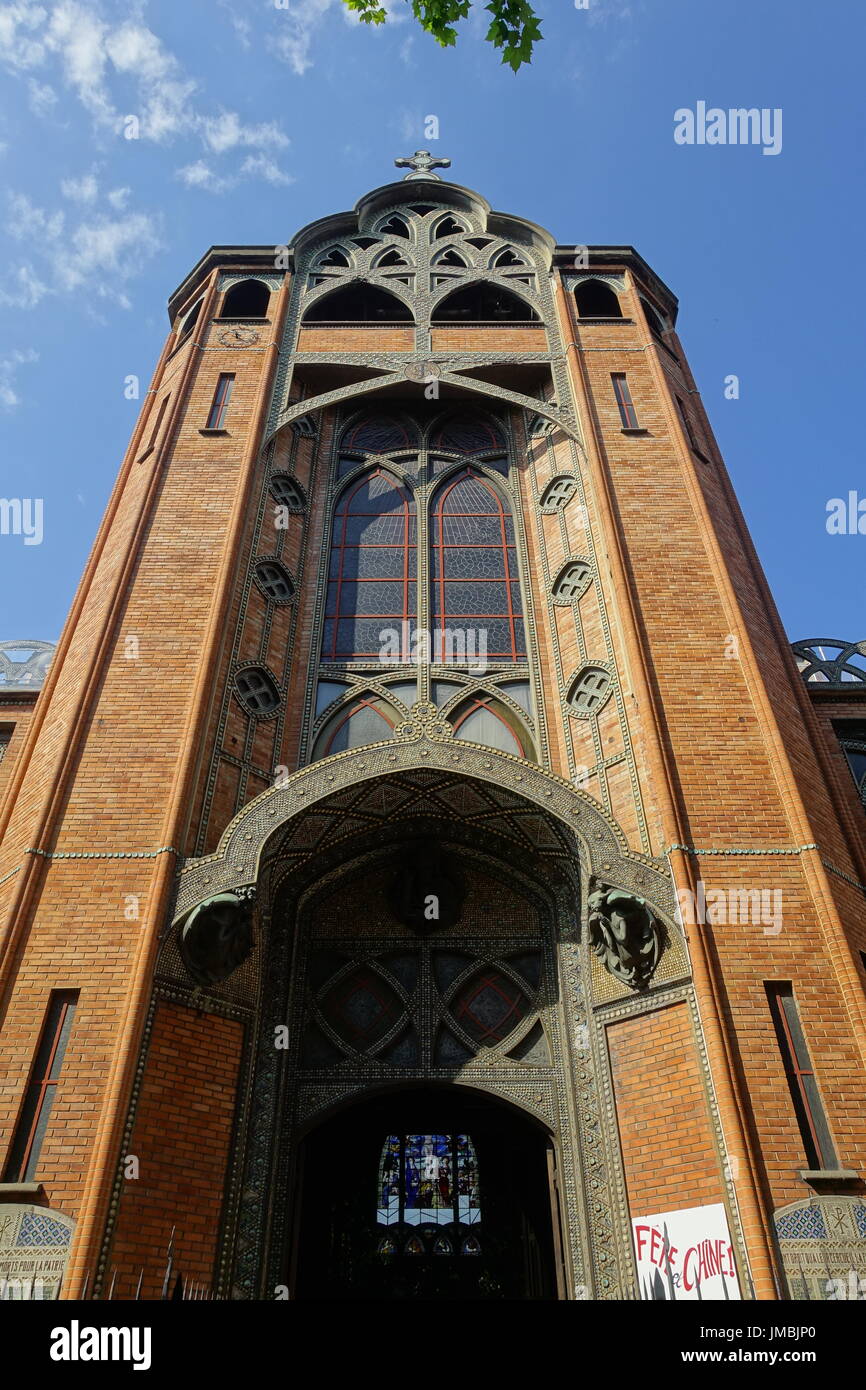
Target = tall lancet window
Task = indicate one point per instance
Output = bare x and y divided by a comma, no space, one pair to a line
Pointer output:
372,584
423,600
473,566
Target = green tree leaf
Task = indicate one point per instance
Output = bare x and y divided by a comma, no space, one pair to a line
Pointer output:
514,27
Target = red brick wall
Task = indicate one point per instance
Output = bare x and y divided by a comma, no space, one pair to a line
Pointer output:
664,1122
181,1138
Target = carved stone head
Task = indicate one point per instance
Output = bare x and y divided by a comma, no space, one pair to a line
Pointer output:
216,938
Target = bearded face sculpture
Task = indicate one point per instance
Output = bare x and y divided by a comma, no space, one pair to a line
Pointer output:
216,938
624,934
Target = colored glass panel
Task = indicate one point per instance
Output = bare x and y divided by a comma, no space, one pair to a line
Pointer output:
474,576
371,578
361,1008
428,1180
489,1007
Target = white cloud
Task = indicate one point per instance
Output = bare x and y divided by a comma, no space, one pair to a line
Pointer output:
120,70
96,255
77,36
201,174
118,198
42,97
9,397
164,93
20,48
262,166
241,26
227,132
22,288
296,28
110,248
83,190
30,223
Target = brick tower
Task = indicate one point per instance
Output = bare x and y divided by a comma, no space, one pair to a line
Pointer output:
426,865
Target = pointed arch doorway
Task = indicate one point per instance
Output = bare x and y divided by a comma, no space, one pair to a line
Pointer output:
427,1192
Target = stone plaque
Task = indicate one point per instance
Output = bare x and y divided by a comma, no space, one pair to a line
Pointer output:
34,1245
823,1245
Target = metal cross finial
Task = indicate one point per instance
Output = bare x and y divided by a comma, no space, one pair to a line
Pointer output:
422,165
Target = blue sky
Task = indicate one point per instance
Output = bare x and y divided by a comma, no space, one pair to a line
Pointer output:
256,120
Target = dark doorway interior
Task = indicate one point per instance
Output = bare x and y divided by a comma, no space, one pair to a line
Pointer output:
433,1193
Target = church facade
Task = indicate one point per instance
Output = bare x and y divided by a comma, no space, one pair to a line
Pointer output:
427,870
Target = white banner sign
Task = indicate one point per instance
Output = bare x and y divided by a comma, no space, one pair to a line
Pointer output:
685,1255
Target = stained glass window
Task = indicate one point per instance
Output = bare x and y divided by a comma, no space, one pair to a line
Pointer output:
366,720
379,434
362,1008
489,1007
486,720
468,434
429,1180
474,578
371,579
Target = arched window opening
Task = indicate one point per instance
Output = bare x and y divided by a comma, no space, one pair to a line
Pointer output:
189,322
484,302
852,738
558,493
372,586
358,303
507,257
572,582
474,578
452,258
248,299
391,257
336,256
449,226
596,300
656,325
484,719
368,719
274,581
395,226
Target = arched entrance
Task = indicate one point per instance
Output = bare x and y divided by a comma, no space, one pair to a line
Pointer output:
341,861
426,1192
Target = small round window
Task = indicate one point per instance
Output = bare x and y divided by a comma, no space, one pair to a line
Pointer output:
572,581
274,581
589,690
287,492
257,690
